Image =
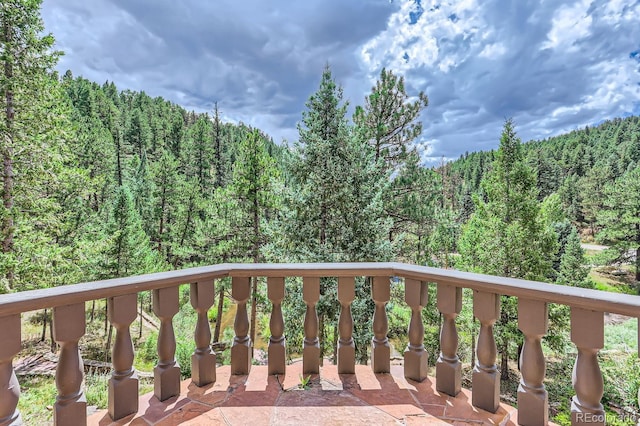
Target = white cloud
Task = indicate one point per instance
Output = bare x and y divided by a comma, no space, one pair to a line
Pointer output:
493,51
570,24
551,65
430,42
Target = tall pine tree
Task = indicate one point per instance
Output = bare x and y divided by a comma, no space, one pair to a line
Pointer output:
507,234
334,204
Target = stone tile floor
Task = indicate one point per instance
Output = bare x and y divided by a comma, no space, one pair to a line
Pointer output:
363,398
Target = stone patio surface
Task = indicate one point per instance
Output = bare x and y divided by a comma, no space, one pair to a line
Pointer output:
363,398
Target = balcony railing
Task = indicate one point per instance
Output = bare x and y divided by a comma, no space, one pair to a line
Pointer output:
68,303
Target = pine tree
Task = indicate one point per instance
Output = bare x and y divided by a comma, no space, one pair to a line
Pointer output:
334,210
254,187
26,59
128,251
138,133
217,146
388,119
620,218
199,160
506,235
164,175
573,271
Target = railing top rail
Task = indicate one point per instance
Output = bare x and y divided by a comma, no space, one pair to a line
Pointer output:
596,300
584,298
32,300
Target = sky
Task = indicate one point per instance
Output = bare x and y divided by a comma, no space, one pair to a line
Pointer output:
551,65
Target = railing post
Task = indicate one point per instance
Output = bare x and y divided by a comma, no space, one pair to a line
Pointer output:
346,345
311,345
415,357
587,333
68,327
166,375
380,349
486,379
241,348
203,359
123,384
448,366
277,342
10,336
533,401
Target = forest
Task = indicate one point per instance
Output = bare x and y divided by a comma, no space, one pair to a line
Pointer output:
100,182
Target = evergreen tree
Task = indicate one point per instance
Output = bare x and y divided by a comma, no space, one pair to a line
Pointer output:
26,59
199,154
507,235
620,218
166,183
128,251
334,202
388,119
217,146
572,270
254,186
417,195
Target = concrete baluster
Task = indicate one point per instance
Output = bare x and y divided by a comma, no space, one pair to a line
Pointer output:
587,333
203,359
311,344
68,327
346,345
241,347
486,378
166,375
533,400
448,366
415,356
277,342
10,336
123,384
380,349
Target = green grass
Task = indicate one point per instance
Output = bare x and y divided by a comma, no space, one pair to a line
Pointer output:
622,337
605,283
37,396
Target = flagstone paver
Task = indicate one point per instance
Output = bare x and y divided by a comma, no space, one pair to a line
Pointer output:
363,398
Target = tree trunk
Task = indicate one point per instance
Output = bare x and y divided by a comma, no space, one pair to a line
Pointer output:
504,362
473,346
254,311
216,332
519,355
118,156
335,344
256,258
44,326
217,145
7,157
321,336
140,330
108,345
106,319
638,264
161,226
93,310
52,345
638,252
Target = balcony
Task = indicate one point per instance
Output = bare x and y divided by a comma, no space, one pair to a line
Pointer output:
381,393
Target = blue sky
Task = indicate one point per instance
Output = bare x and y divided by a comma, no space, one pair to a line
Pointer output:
551,65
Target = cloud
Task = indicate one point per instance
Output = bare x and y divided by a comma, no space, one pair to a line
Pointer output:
259,60
552,66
